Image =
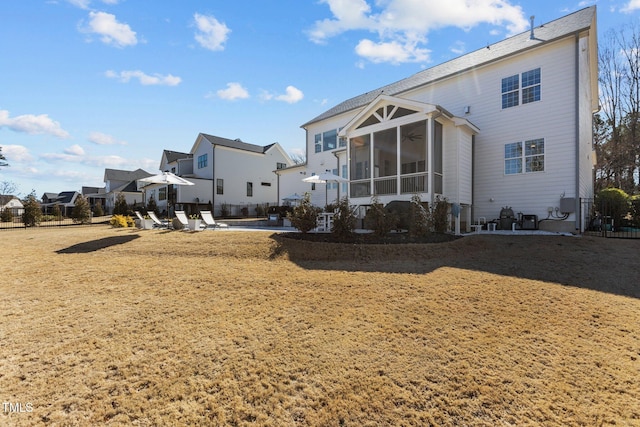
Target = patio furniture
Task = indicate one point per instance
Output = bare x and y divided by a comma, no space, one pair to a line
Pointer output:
207,217
187,225
156,221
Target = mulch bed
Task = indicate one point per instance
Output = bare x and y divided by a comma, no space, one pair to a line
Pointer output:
372,239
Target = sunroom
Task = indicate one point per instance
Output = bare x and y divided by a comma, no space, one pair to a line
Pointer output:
397,148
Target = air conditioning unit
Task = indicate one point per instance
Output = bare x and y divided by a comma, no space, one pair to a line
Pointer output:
529,222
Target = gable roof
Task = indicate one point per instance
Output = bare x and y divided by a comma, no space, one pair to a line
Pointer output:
235,143
122,175
543,34
5,199
173,156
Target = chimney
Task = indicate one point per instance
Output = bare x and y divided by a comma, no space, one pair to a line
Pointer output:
531,18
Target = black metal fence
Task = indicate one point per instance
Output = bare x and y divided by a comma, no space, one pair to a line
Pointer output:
16,222
607,219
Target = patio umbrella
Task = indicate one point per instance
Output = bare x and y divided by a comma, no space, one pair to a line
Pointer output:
324,178
166,178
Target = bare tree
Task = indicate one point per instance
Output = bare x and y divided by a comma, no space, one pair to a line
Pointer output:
298,158
2,159
616,134
9,188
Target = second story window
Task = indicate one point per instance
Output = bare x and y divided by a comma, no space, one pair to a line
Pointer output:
318,142
330,140
202,161
249,189
521,88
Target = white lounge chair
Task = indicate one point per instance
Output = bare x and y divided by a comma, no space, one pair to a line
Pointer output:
207,217
139,215
156,221
182,217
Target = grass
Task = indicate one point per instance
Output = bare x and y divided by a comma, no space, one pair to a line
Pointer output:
126,327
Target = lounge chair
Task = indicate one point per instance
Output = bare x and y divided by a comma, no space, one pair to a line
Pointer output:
139,215
156,221
182,217
210,222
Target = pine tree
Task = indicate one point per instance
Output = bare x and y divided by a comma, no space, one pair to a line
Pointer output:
32,215
81,211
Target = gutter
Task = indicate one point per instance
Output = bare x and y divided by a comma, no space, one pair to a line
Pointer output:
577,132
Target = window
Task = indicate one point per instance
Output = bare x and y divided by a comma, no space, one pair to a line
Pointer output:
249,189
344,175
281,165
330,140
510,87
528,153
219,186
318,142
265,184
529,82
202,161
531,86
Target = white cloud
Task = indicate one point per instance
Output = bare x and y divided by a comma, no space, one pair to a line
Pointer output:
32,124
211,33
402,25
84,4
110,30
291,96
16,154
232,92
393,52
75,150
630,6
144,79
100,138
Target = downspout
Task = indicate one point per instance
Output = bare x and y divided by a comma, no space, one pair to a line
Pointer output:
338,185
577,132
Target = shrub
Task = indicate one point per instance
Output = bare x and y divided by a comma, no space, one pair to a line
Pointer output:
400,211
81,211
152,206
613,202
120,207
224,209
6,215
635,211
420,224
97,211
121,221
439,215
304,216
56,213
379,219
32,215
344,220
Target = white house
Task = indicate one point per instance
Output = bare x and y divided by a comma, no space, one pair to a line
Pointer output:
122,182
11,203
227,173
508,125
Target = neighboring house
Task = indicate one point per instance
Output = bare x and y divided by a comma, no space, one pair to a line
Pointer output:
226,172
122,182
11,203
95,196
508,125
65,202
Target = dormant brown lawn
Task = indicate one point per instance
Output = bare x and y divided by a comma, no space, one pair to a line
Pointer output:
126,327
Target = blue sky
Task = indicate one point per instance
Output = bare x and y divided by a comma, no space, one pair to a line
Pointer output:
92,84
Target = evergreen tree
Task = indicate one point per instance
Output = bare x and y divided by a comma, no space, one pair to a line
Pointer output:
120,207
32,215
81,211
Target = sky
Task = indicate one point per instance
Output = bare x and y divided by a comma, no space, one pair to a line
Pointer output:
92,84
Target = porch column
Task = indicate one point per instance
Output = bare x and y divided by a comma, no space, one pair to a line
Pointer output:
430,165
